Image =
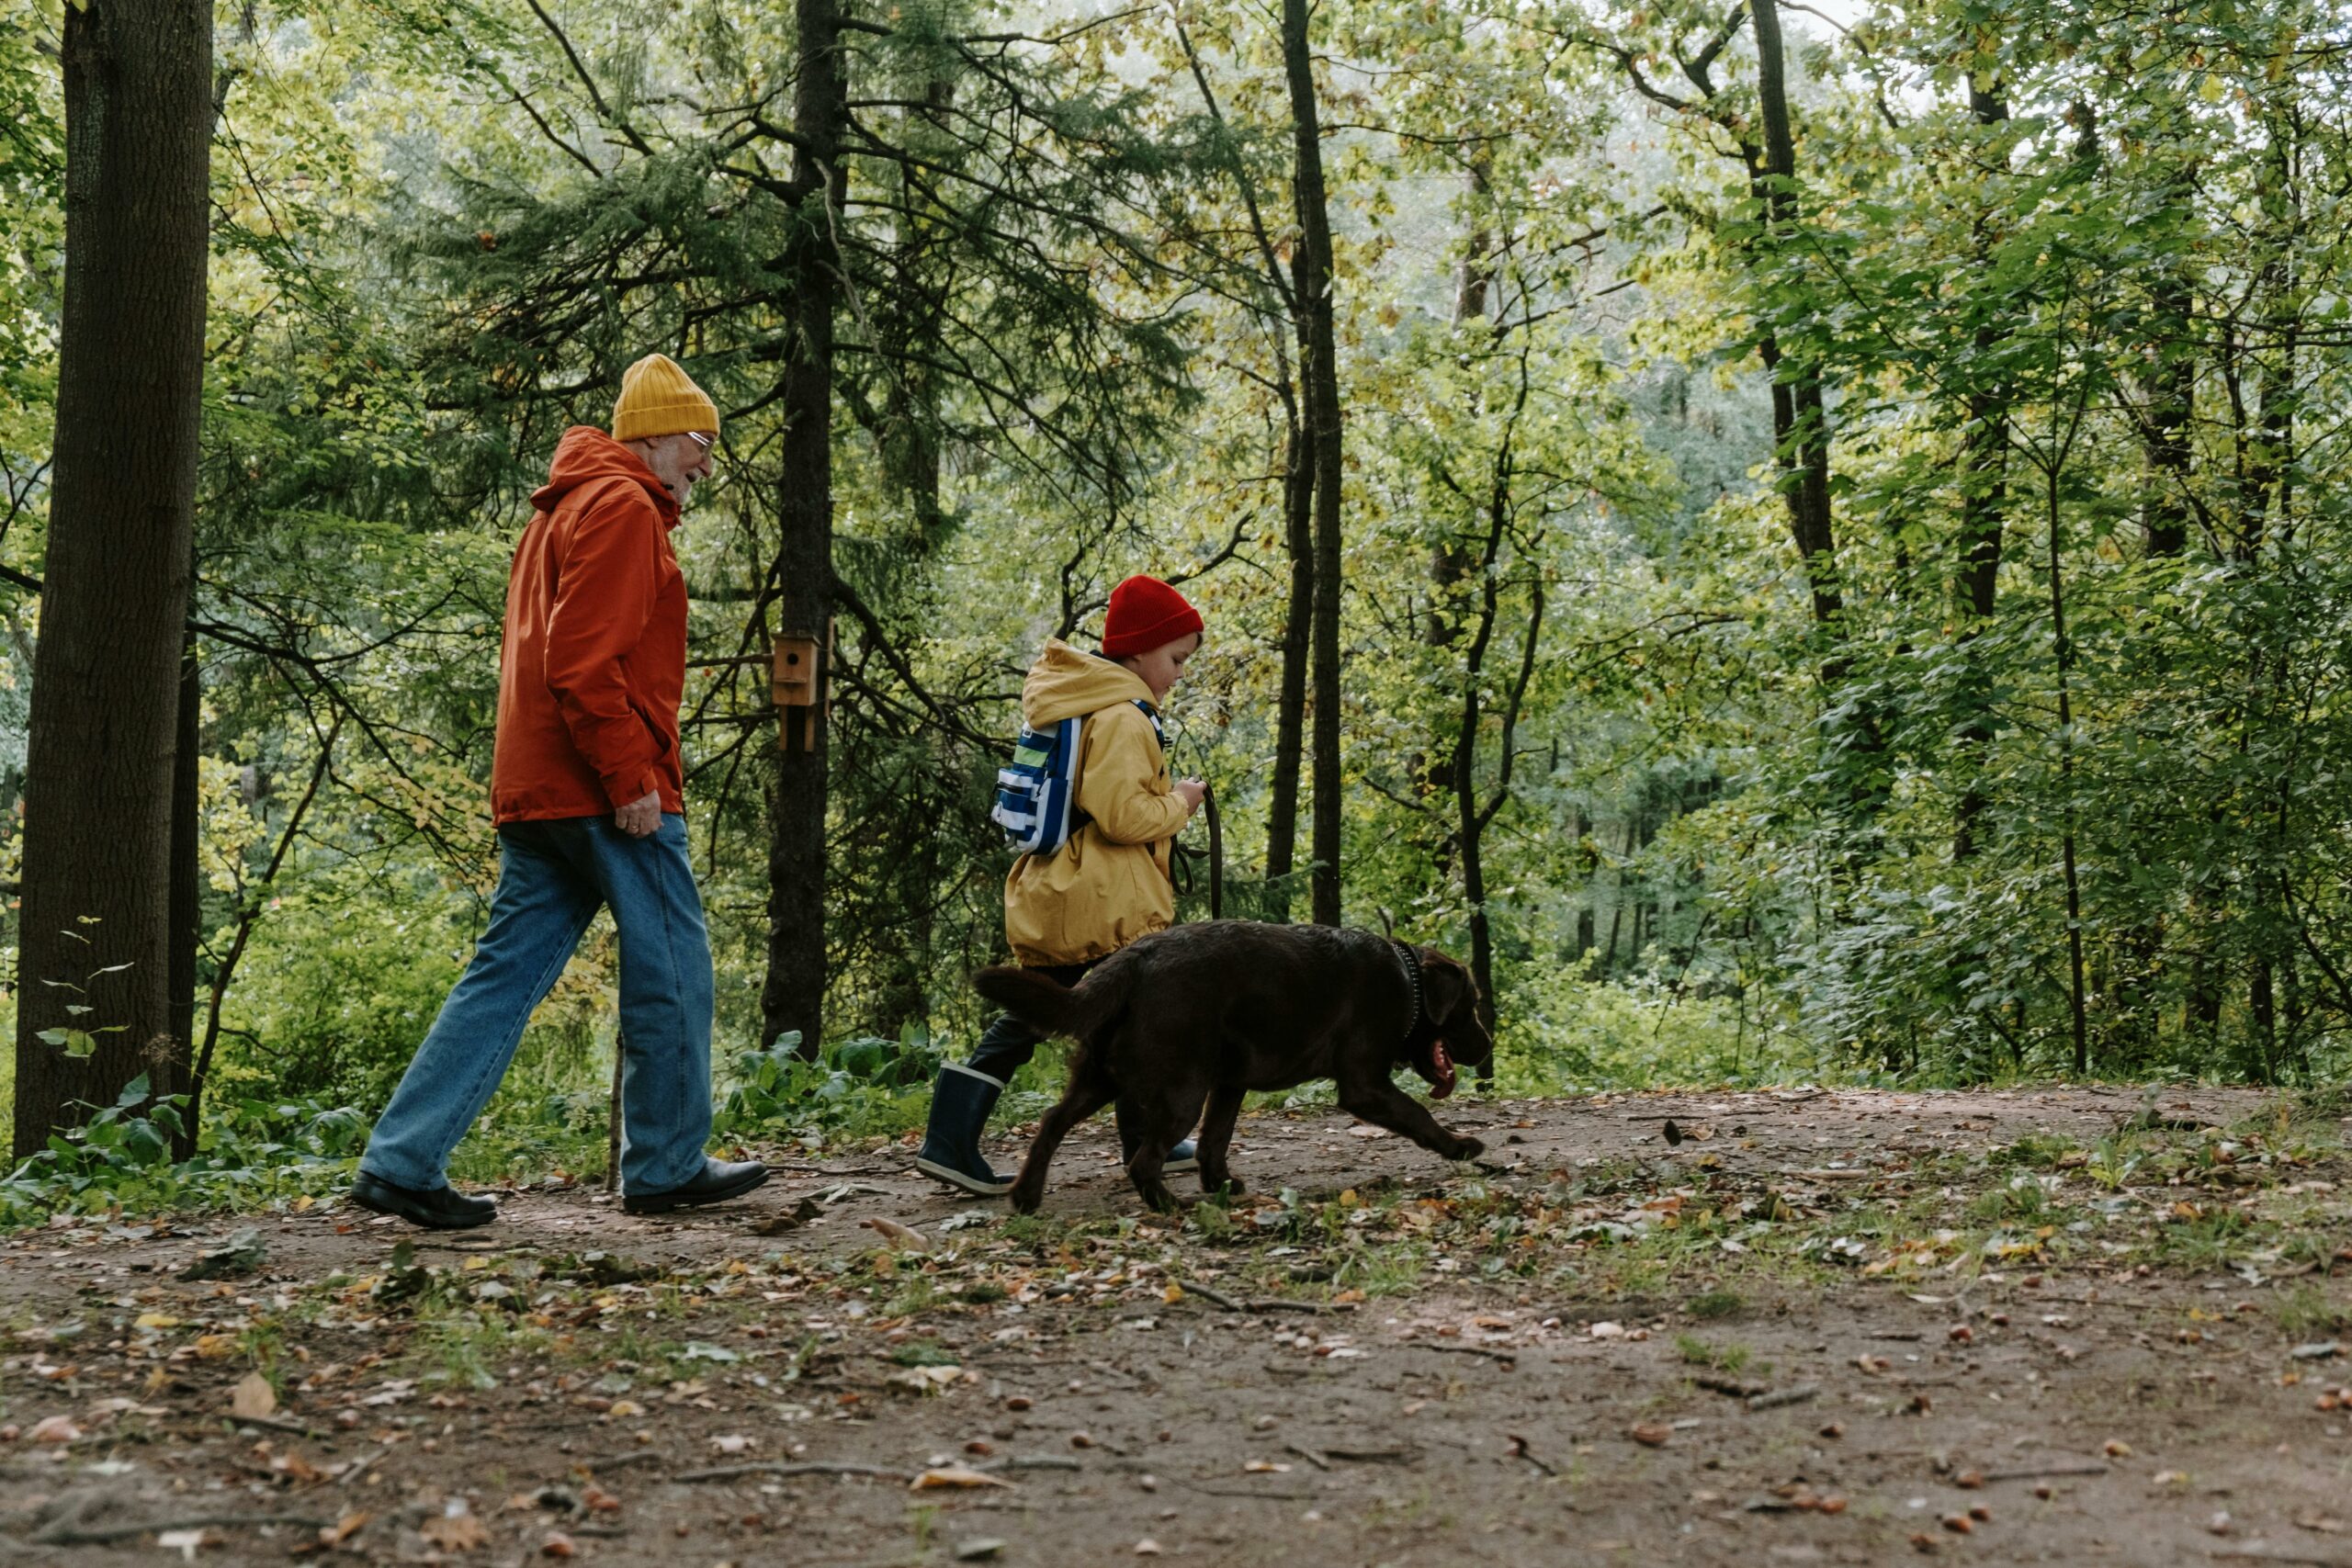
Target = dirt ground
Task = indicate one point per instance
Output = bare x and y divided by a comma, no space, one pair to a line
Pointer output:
2080,1326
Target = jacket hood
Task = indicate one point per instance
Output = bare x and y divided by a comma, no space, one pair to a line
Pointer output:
586,453
1066,683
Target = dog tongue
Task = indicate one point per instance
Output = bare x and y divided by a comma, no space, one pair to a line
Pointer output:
1444,1083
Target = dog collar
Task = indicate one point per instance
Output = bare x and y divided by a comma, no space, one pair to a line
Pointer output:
1413,979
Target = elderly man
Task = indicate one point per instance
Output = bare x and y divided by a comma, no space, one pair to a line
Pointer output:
587,792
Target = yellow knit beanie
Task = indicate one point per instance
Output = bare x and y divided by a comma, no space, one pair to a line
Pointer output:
659,399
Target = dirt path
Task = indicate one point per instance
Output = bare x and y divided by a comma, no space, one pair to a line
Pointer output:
1837,1328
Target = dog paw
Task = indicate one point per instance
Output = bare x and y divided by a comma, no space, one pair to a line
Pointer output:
1024,1201
1469,1148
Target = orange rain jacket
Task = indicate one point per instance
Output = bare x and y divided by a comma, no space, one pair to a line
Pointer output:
595,662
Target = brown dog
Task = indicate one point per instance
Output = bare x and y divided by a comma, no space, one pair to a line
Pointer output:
1201,1014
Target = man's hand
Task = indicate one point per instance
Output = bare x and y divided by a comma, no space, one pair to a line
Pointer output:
1193,791
641,818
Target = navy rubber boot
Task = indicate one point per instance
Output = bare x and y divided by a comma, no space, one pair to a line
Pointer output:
960,1103
1182,1157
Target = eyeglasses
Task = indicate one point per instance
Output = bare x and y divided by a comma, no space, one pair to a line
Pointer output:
699,439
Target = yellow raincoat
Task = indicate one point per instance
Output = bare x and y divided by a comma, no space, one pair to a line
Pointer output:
1109,884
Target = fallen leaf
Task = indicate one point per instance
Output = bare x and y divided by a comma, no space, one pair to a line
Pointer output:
1650,1434
54,1429
253,1396
1265,1467
343,1529
455,1532
954,1475
733,1443
597,1500
979,1548
904,1238
2117,1449
185,1542
1147,1547
921,1381
558,1544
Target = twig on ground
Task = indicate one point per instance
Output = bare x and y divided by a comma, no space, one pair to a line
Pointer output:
359,1467
810,1467
278,1424
1785,1396
1518,1449
1033,1462
2055,1468
1309,1455
1193,1287
1507,1358
1738,1387
620,1462
2253,1553
1370,1456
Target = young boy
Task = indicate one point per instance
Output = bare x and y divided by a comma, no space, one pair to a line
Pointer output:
1067,911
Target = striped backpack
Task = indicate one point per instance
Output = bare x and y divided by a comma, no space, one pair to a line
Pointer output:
1036,792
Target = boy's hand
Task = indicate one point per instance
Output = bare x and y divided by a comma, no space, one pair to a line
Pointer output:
1193,791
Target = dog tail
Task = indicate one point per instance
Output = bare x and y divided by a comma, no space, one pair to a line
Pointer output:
1041,1002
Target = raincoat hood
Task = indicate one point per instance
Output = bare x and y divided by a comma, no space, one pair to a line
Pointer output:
1067,683
586,454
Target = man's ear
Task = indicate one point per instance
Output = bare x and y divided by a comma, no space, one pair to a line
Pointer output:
1446,988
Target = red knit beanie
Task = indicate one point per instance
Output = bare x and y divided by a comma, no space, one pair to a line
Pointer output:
1146,612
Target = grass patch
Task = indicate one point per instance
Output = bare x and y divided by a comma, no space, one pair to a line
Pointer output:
1697,1352
2306,1313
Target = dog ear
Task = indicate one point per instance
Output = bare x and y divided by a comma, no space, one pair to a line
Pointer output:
1447,990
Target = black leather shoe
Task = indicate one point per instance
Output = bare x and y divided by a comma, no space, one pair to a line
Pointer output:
443,1209
720,1180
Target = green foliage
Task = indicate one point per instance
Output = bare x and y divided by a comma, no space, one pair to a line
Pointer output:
258,1152
851,1087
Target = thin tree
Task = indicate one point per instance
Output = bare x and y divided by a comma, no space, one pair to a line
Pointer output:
794,994
1325,427
95,1007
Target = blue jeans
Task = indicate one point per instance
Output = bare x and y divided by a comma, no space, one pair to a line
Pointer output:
552,878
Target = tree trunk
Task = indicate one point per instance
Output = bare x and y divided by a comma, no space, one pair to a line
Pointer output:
794,994
1298,625
95,921
1800,422
2171,392
1985,453
187,883
2073,884
1320,376
1476,278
